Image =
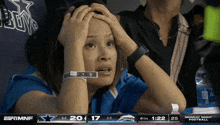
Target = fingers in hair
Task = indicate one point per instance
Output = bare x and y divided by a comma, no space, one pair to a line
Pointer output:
88,17
69,12
100,8
83,13
102,17
78,10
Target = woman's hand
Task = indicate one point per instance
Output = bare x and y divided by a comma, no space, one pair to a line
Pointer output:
73,97
75,27
119,33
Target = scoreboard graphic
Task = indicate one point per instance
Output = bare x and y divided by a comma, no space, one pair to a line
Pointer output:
117,118
61,118
168,118
112,118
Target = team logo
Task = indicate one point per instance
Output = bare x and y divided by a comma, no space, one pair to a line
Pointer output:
21,19
127,118
48,118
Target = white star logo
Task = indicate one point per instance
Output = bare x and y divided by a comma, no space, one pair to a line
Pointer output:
22,6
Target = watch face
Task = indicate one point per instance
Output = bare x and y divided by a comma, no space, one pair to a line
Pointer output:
147,50
132,59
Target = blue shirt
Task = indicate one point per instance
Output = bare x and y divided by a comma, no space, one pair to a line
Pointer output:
122,98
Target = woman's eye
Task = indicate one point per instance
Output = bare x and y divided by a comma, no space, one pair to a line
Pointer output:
90,45
110,43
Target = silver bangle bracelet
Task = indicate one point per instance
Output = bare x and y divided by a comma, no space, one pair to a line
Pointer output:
82,75
74,77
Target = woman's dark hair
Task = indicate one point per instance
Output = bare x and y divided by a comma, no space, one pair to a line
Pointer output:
46,54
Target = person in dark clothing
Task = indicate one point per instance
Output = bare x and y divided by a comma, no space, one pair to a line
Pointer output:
25,17
158,30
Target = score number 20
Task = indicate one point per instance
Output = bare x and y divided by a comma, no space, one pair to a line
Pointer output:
77,118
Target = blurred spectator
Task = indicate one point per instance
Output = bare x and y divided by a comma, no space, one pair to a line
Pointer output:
159,31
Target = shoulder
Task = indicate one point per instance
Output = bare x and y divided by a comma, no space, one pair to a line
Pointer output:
129,81
127,15
130,89
18,85
130,19
30,74
195,16
30,79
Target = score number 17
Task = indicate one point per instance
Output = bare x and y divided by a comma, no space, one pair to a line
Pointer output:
95,118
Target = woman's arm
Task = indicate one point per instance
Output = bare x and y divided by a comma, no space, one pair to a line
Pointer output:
73,96
74,91
162,91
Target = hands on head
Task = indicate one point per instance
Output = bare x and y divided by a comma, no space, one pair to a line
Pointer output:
156,78
76,24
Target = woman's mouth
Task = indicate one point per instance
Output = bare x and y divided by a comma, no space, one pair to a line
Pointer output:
104,70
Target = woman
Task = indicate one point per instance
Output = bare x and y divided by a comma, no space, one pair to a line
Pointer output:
89,42
164,31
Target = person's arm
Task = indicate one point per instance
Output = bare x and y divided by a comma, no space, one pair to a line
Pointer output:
162,91
73,96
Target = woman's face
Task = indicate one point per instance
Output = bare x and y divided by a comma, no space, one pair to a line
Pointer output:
100,53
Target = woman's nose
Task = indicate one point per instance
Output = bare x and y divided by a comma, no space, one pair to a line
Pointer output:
104,54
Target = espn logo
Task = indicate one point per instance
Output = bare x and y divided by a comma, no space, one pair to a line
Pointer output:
18,118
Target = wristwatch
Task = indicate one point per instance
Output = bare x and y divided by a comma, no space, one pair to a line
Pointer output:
134,57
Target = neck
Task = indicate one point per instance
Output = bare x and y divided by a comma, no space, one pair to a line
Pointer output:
162,11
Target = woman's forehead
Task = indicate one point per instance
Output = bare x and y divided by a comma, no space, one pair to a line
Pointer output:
98,28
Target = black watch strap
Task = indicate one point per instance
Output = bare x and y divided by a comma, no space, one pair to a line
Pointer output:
134,57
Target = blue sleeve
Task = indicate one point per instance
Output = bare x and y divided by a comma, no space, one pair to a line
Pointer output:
129,94
18,86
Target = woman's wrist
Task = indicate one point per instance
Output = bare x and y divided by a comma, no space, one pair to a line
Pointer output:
128,47
73,80
74,44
